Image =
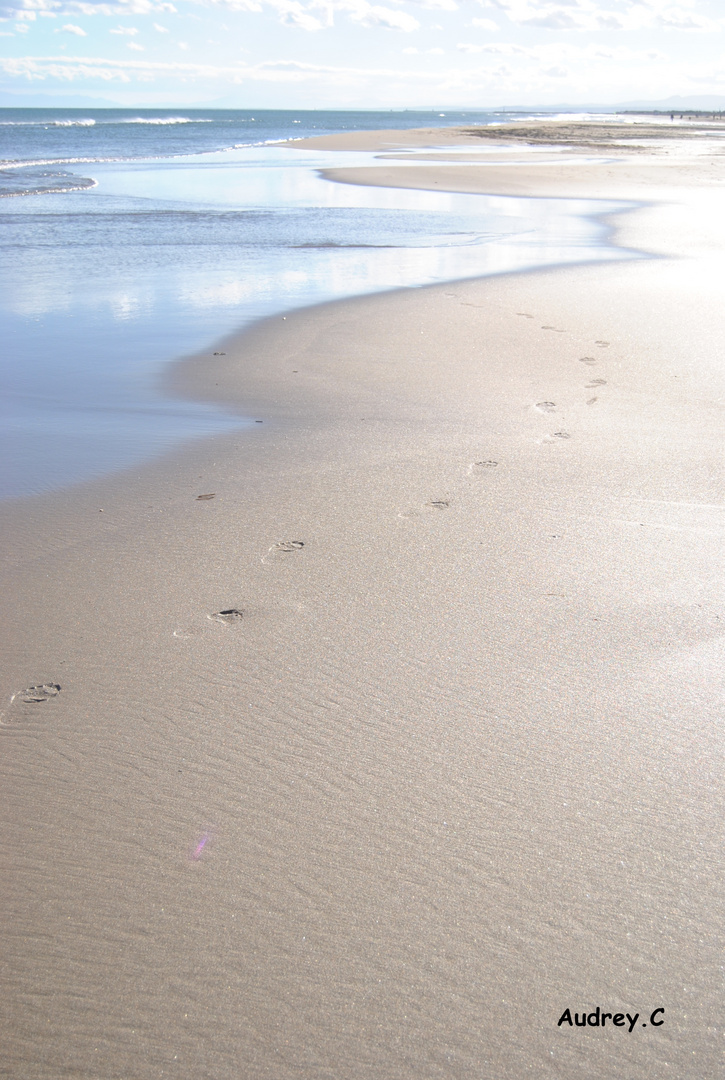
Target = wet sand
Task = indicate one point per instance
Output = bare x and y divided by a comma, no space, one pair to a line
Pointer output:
450,764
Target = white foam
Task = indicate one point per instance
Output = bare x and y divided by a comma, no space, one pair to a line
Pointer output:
163,120
157,120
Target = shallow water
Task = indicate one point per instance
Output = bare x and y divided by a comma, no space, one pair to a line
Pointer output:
100,288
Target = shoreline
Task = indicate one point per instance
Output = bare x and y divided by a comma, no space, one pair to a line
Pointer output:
661,174
454,768
314,272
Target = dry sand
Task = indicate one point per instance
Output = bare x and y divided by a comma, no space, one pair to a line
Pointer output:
455,769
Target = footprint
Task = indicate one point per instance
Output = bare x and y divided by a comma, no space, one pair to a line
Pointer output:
525,314
554,328
545,406
602,344
227,615
479,466
283,549
587,360
591,400
220,354
35,694
31,695
205,498
429,507
561,435
595,382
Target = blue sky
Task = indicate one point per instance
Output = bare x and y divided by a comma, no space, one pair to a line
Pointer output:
361,53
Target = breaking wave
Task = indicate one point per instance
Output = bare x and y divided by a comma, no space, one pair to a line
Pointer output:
165,120
157,120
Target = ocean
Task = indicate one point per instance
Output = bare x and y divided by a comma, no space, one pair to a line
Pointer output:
131,238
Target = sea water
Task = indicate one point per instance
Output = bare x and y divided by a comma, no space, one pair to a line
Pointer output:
131,238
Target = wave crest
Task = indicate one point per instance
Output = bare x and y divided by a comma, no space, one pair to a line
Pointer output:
164,120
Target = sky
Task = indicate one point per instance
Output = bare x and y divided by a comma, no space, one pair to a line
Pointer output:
362,53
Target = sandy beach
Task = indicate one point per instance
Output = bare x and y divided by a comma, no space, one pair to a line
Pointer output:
377,737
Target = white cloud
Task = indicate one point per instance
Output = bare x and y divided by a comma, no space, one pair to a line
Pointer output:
590,15
677,19
564,15
74,68
437,5
373,15
506,48
314,15
30,9
293,13
318,14
554,20
412,51
536,70
393,20
69,28
556,54
237,5
488,65
608,20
